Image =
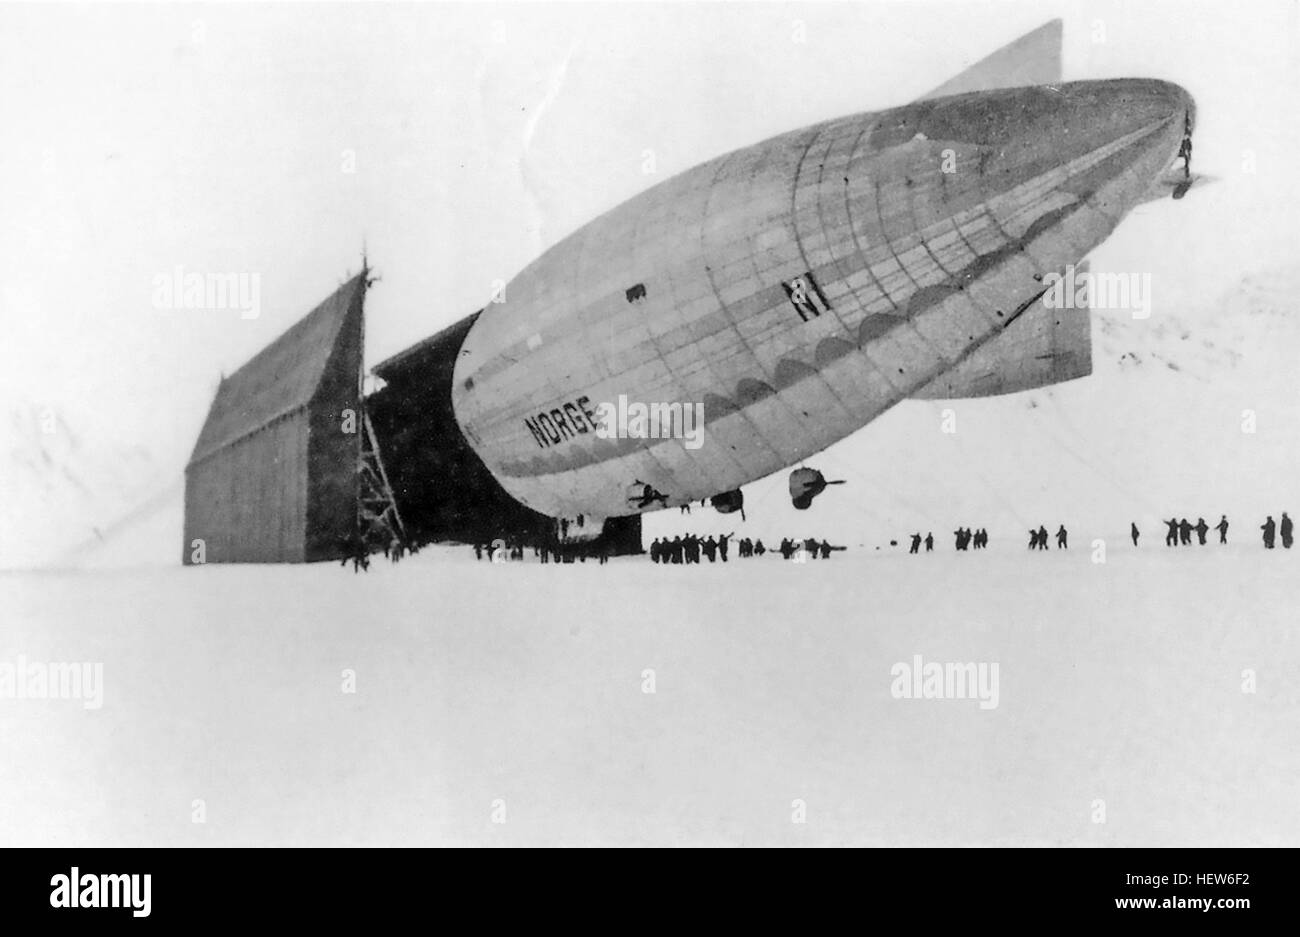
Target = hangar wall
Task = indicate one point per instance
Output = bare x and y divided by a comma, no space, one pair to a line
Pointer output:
272,478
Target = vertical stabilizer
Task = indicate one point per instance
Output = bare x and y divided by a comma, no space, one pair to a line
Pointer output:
1033,59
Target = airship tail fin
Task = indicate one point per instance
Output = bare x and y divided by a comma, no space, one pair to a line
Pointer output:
1033,59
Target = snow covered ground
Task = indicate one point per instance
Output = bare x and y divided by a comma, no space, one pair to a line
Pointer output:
517,692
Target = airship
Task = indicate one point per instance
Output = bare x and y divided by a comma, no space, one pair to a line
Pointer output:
724,325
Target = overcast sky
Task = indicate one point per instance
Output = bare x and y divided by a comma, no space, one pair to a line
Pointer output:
457,141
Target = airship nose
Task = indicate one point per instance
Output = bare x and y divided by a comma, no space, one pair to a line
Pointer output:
1177,100
1133,104
1122,134
1031,128
1082,137
1149,97
1122,122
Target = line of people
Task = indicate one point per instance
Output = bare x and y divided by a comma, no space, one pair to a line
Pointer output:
1271,530
1179,532
690,548
1038,538
693,549
501,551
808,549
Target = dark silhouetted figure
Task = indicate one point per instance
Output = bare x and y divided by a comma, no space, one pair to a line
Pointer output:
1171,536
929,541
1185,532
1202,529
1270,530
916,544
1042,537
1285,529
1134,533
478,551
1033,539
1222,528
759,549
722,545
1062,539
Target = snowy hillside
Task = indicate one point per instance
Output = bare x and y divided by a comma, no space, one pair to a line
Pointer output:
74,491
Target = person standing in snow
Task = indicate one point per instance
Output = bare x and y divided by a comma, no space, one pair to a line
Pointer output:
1270,529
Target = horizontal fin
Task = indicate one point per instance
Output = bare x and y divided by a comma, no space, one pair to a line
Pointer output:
1041,346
